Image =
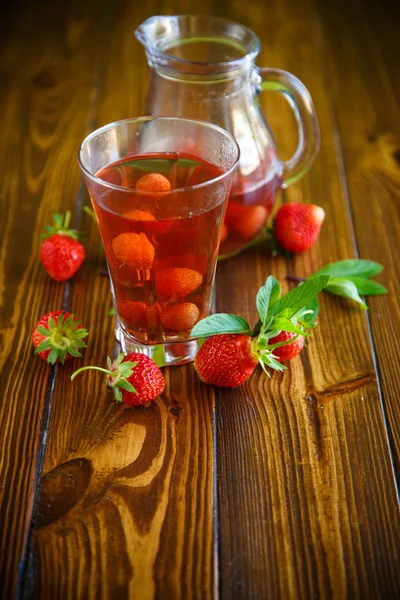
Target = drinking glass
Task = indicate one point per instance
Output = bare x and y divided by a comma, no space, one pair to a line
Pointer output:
161,240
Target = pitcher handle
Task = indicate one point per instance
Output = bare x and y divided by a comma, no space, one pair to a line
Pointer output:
299,99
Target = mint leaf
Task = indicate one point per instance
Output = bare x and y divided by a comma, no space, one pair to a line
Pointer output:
366,287
297,298
267,296
354,267
220,323
286,325
159,165
345,288
307,316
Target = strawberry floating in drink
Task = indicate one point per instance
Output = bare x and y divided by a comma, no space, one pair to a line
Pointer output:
179,317
153,182
135,379
233,349
134,250
177,282
61,253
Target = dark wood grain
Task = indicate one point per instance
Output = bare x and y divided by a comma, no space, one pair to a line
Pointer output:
306,498
370,140
46,79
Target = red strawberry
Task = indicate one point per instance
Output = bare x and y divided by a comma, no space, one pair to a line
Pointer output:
288,351
61,253
134,313
297,226
251,222
138,215
135,379
177,282
179,317
153,182
57,336
134,250
229,356
226,360
234,212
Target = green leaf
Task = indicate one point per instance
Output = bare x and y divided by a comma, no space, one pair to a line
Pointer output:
366,287
111,312
355,267
52,357
74,352
344,288
220,323
126,385
42,331
294,300
268,359
309,313
118,395
267,296
287,325
159,165
44,345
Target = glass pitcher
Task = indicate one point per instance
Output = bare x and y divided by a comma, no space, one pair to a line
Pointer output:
204,67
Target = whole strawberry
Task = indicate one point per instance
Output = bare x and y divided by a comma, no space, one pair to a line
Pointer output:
61,253
229,356
288,350
297,226
57,336
226,360
135,379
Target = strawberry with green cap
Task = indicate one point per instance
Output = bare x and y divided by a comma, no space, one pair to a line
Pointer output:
61,252
233,349
58,336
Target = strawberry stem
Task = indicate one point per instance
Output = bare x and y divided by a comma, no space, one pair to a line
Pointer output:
67,219
106,371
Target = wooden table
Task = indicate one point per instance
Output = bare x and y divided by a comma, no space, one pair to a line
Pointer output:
282,488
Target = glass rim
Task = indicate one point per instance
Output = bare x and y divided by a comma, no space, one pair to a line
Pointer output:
196,186
226,66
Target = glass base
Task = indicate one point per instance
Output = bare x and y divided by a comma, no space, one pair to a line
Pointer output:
167,353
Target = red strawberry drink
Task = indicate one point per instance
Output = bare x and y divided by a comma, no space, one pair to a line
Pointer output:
160,215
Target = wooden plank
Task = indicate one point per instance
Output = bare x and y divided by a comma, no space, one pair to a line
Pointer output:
44,103
306,489
127,496
370,139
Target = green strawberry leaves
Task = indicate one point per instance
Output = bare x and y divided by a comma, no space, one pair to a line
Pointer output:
63,337
118,373
221,323
61,226
350,278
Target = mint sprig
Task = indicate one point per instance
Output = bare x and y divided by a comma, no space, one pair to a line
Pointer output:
293,312
350,278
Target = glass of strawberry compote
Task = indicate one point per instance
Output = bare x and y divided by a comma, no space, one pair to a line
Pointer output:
159,188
